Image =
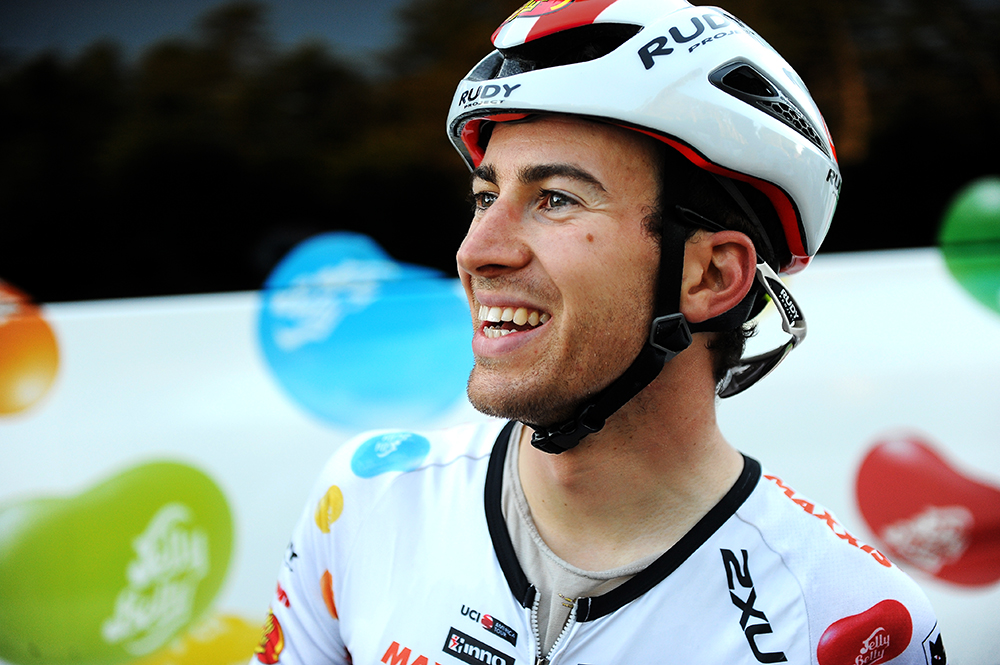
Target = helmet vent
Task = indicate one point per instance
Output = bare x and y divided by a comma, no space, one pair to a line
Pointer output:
747,84
568,47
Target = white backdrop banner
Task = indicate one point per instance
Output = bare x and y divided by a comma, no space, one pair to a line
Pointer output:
157,452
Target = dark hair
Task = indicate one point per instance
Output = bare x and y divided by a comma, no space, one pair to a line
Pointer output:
684,184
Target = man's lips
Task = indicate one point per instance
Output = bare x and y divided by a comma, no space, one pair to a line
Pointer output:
501,321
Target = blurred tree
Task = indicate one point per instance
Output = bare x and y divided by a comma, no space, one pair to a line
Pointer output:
196,167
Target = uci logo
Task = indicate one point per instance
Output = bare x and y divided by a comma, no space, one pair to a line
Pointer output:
686,34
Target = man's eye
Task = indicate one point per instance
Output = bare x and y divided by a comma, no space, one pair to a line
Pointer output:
482,200
557,199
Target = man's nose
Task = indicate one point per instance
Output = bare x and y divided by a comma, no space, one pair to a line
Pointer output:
495,243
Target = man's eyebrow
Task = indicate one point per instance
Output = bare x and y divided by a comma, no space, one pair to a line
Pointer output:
533,174
485,172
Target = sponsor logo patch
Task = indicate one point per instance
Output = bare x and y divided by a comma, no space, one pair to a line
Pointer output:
399,655
272,641
934,648
470,650
394,451
494,625
738,574
874,636
835,526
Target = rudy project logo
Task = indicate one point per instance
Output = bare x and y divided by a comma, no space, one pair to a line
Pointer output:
472,651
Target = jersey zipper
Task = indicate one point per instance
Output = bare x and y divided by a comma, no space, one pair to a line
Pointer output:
539,658
570,622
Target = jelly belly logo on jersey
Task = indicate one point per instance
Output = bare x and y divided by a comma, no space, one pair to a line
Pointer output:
396,451
495,626
835,526
738,572
696,32
876,635
470,650
272,641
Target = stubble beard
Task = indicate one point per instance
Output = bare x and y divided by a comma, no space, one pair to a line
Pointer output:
563,379
520,400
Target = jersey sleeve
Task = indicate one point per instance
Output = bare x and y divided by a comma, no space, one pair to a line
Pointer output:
303,625
862,609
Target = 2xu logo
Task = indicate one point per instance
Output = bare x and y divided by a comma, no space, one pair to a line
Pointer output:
735,572
876,635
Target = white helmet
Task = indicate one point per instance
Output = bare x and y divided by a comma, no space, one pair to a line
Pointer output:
696,78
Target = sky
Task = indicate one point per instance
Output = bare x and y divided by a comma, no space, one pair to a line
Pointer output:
67,26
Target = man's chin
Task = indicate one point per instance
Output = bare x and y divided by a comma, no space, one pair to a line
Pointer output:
513,405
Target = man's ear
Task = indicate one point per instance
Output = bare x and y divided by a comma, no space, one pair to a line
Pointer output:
719,269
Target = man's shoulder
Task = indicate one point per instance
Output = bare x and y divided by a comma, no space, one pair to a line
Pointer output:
792,521
385,455
845,584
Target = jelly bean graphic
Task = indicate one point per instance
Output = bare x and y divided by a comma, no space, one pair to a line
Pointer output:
326,587
29,354
223,639
927,513
329,508
395,451
112,573
876,635
272,641
360,340
970,240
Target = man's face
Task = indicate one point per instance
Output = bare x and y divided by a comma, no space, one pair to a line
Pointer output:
557,264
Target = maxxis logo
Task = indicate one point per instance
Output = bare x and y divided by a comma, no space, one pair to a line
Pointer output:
835,526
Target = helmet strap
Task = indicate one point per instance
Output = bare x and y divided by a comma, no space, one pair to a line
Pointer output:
668,335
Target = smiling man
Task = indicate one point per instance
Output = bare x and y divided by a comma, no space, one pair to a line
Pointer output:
642,170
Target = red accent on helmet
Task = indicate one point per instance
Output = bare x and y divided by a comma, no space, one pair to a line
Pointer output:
787,214
472,129
556,15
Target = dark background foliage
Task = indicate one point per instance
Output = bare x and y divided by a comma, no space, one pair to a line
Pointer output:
195,166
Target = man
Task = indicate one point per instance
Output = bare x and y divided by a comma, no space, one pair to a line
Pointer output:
637,165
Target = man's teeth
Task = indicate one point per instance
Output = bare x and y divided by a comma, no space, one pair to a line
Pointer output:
518,316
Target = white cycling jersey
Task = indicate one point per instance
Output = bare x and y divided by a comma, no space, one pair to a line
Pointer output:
402,557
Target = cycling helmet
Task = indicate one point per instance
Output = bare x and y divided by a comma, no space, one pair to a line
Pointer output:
699,80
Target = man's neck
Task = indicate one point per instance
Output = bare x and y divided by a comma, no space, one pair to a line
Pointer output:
634,488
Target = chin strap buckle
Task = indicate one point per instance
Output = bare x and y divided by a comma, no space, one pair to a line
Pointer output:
670,335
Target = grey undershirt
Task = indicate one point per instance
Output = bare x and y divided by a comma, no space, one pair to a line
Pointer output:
559,583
